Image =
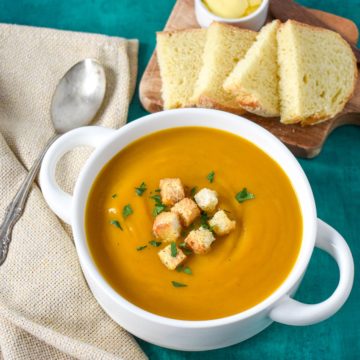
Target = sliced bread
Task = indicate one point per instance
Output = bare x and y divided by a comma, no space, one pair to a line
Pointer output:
225,46
254,80
179,55
317,70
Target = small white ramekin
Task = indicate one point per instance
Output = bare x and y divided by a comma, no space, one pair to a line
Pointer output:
253,21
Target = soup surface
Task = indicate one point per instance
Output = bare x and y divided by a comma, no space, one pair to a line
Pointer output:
242,268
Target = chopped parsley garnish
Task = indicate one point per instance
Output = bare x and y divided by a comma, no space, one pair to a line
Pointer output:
114,196
116,224
157,199
193,191
155,243
127,210
178,284
159,206
244,195
204,220
183,233
183,269
173,249
157,190
141,189
187,251
139,248
158,209
211,176
187,270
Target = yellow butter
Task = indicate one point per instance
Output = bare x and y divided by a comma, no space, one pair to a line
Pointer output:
250,10
232,9
254,3
227,8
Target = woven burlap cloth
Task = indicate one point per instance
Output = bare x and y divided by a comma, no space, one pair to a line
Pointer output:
46,309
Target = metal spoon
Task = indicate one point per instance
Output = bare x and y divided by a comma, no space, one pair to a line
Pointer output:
77,98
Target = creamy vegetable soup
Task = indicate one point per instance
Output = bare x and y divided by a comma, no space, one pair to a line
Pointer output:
128,224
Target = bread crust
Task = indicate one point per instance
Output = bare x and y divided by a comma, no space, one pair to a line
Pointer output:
171,32
210,103
251,104
233,27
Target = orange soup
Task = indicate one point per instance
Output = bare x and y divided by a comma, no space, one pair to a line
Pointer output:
242,268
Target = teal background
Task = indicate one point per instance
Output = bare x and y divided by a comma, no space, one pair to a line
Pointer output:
334,176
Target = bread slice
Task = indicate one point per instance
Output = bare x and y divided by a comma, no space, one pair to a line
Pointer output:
317,71
179,55
225,46
254,80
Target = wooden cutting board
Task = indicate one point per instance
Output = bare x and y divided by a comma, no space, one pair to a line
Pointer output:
302,141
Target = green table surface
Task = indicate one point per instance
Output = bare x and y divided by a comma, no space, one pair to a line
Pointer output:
334,176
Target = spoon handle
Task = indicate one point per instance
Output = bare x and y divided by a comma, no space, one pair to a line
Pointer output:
16,208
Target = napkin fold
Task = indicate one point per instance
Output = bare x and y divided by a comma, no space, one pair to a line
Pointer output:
46,308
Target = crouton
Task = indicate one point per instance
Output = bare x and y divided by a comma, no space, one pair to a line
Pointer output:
171,262
187,211
221,224
200,240
206,199
167,226
171,191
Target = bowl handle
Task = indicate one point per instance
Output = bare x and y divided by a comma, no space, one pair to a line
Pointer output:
292,312
59,201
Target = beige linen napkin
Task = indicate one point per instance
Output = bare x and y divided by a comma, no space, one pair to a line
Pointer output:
46,309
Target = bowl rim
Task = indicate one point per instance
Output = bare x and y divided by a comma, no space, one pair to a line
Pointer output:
90,268
259,10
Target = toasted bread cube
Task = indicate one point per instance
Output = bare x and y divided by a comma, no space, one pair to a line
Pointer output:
206,199
221,224
171,191
171,262
200,240
187,210
167,226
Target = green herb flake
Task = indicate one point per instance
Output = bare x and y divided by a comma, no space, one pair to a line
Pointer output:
193,191
116,224
173,249
158,209
211,176
159,206
183,269
157,190
178,284
157,198
183,233
141,189
204,220
187,251
127,210
139,248
114,196
244,195
155,243
187,270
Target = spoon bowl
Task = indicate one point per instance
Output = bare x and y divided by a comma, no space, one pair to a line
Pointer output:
78,96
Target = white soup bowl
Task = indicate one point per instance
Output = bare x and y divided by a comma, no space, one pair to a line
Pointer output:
210,334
